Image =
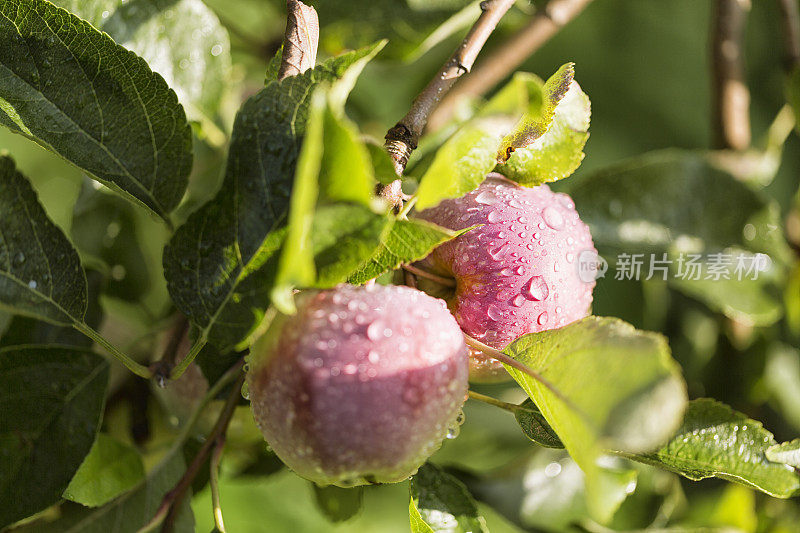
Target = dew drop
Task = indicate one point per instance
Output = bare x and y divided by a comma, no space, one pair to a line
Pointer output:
553,218
493,217
216,50
506,272
536,289
542,320
518,300
32,284
375,331
486,198
494,313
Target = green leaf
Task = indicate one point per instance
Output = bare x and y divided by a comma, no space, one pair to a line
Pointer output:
40,272
463,161
344,235
748,301
716,441
618,388
558,152
555,120
339,504
332,228
52,400
73,90
220,265
180,39
677,202
24,330
440,502
535,426
130,511
538,119
653,201
111,468
405,242
787,453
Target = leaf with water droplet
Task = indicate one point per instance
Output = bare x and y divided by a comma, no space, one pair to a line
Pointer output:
716,441
97,104
52,401
440,502
27,286
406,241
183,40
243,227
334,224
615,388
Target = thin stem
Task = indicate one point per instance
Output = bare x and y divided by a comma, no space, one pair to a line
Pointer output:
166,512
161,369
493,401
513,363
130,364
447,282
790,19
504,59
402,139
731,98
181,367
216,457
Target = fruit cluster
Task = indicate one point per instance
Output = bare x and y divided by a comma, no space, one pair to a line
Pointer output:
363,384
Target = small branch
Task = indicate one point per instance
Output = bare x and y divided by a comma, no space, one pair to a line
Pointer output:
162,368
216,457
731,98
506,58
790,20
168,509
447,282
300,39
402,139
493,401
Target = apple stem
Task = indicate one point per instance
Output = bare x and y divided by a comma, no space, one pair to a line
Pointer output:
216,457
513,363
447,282
492,401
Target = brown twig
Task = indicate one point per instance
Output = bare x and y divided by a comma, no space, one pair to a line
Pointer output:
167,511
502,61
300,39
790,20
402,139
731,98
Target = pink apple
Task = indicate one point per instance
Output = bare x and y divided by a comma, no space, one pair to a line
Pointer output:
361,385
518,272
